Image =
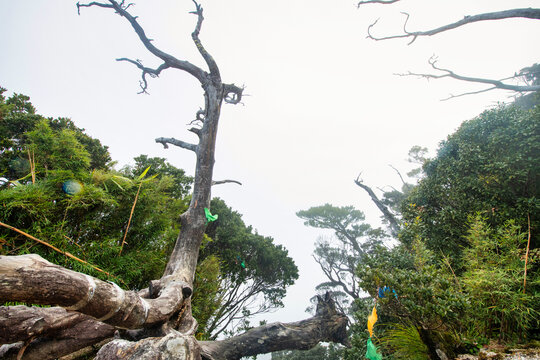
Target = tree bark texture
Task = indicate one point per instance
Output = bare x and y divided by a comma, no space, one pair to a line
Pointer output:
32,279
155,323
47,333
326,325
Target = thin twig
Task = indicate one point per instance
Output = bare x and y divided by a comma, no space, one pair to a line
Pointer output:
129,221
527,253
54,248
32,161
23,348
447,262
396,170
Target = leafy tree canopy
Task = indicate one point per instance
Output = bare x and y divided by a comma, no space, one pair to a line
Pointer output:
489,165
252,267
135,210
338,257
21,127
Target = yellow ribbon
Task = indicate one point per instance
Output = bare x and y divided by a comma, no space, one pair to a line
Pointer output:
372,319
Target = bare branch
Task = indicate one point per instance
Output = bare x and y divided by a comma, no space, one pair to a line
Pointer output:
329,270
326,325
376,2
170,60
401,177
528,13
392,221
93,3
175,142
232,93
497,84
196,131
200,115
145,70
469,93
219,182
212,65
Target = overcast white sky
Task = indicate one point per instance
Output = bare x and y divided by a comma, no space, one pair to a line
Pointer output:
323,102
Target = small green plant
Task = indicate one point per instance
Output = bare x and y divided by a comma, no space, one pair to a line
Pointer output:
403,342
493,281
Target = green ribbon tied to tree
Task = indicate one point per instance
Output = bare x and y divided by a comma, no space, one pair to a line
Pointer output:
371,352
209,216
242,263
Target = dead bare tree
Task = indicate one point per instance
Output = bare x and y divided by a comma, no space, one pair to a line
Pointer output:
524,13
155,322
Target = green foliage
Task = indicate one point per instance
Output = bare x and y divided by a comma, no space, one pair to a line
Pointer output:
531,74
339,256
489,165
460,278
56,150
427,293
428,296
206,298
182,182
265,275
404,342
80,206
417,155
99,154
90,221
346,221
493,281
56,143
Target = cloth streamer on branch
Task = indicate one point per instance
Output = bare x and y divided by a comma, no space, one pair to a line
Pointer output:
384,290
371,352
372,319
209,216
242,262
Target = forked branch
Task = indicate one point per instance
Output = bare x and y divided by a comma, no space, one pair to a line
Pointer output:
528,13
169,60
212,65
496,84
145,70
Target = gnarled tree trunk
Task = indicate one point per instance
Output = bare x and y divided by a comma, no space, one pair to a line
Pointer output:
155,323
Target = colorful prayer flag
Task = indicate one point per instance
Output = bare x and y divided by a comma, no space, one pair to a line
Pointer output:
372,319
371,352
209,216
384,290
